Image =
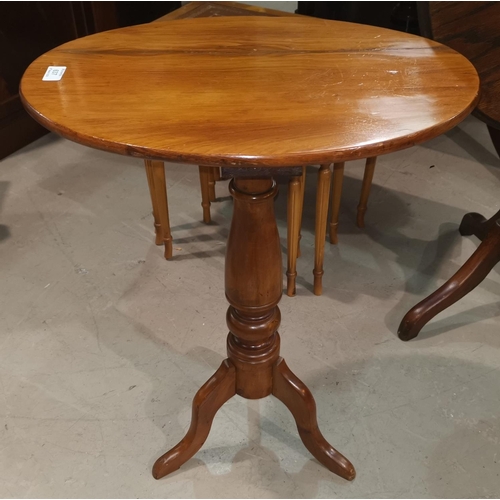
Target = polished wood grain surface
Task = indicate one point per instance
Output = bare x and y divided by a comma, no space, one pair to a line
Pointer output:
251,91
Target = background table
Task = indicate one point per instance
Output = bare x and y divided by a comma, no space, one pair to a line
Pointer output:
260,93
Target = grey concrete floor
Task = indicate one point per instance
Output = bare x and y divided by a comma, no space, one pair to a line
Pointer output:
104,343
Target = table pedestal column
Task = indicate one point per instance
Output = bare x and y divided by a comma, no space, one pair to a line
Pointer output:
253,369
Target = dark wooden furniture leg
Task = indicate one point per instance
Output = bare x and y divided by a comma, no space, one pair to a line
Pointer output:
495,138
466,279
155,171
254,369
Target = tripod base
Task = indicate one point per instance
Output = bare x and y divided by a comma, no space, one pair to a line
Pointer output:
286,387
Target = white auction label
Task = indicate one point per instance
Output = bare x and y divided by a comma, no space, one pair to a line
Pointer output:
54,73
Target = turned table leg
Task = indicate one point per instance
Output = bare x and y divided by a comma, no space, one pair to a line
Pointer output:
294,210
155,171
471,274
301,208
322,199
253,369
338,178
211,184
205,178
365,191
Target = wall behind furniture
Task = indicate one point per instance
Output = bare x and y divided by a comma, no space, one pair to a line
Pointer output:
286,6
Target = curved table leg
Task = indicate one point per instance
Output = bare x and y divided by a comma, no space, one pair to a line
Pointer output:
298,399
254,369
477,225
211,396
466,279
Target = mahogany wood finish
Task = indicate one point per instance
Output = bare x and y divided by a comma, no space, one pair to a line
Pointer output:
150,92
298,399
365,191
219,388
406,79
471,274
296,178
471,28
254,369
338,178
194,10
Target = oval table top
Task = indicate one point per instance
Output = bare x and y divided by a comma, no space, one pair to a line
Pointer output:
251,91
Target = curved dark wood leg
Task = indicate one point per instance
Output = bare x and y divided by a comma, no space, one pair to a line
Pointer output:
211,396
298,399
495,138
466,279
477,225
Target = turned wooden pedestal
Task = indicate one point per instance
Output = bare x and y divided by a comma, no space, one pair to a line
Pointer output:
253,368
256,93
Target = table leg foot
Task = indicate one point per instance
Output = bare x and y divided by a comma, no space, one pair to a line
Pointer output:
298,399
212,395
471,274
477,225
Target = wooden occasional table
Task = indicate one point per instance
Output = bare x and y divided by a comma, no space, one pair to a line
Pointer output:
260,93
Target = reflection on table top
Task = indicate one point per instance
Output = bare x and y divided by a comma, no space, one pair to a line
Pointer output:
251,90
